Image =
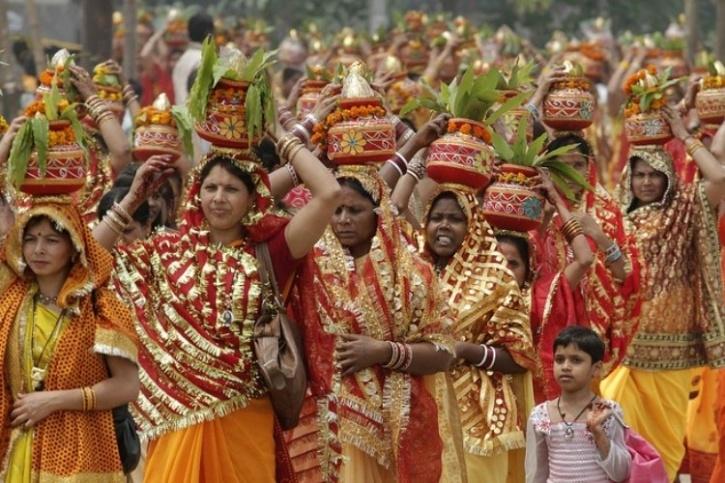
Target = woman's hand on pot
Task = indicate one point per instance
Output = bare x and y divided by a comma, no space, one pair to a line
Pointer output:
432,130
82,81
149,176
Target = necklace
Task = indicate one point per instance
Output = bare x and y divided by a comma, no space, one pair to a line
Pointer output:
37,374
569,426
45,300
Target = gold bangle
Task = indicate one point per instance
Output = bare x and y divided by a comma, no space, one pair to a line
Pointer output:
116,218
283,141
295,151
111,226
288,147
122,212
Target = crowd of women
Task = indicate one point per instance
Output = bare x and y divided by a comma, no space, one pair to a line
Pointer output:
436,348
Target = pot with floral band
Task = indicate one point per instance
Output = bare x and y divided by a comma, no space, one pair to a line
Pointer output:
510,201
710,100
464,155
161,129
359,131
230,97
569,104
317,78
644,121
48,155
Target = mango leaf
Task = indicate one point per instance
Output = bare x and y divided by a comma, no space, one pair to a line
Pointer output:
220,71
50,101
561,184
259,61
535,148
70,114
39,125
20,153
507,106
184,126
502,148
253,107
268,104
464,92
566,172
199,93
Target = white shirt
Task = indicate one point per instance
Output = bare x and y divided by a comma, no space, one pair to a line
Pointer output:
188,61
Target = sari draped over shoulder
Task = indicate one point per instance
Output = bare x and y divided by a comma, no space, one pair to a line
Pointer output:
99,177
195,303
68,446
609,307
405,424
487,308
681,325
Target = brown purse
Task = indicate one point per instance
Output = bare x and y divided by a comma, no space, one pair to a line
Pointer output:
277,345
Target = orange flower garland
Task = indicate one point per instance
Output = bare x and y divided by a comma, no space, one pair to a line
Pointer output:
516,178
319,136
632,107
38,106
108,95
62,137
573,83
150,115
46,77
470,130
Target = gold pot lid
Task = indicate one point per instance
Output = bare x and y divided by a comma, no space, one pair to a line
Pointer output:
355,85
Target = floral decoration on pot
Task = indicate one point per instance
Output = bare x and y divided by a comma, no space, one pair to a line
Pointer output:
161,129
710,100
644,122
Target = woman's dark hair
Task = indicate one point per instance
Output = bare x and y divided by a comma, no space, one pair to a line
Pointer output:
355,185
115,195
584,338
37,219
267,153
522,246
582,145
200,26
445,195
229,166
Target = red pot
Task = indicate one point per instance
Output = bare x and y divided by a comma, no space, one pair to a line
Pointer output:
647,128
569,109
361,141
509,204
710,105
65,168
310,95
460,158
156,139
225,124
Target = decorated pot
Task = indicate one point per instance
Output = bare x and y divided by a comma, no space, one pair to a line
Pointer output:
310,95
647,128
710,104
568,108
460,157
367,140
156,139
65,166
225,123
510,203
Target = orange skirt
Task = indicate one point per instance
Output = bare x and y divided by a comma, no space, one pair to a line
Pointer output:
237,448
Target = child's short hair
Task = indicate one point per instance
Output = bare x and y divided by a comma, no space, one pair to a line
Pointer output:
584,338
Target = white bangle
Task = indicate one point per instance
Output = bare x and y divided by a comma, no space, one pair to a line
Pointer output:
402,158
395,166
292,174
302,130
485,356
493,359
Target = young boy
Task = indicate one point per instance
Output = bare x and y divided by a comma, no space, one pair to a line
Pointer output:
576,437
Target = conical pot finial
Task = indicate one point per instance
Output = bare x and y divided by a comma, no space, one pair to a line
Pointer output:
355,85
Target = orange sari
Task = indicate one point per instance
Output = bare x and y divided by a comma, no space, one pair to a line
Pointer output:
72,446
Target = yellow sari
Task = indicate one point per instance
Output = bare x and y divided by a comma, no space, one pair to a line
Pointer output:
48,325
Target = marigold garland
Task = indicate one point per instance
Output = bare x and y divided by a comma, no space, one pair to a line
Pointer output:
319,136
713,82
38,106
62,137
470,130
150,115
581,83
46,77
632,107
638,76
516,178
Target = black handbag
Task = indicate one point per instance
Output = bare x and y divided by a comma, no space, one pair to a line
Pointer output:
129,444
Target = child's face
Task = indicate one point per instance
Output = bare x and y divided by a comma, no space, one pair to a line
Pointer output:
573,368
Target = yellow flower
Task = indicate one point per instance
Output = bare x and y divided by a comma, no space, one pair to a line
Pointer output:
232,128
352,142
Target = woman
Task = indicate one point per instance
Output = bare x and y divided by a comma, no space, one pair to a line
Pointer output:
374,325
108,149
681,325
68,347
196,295
493,387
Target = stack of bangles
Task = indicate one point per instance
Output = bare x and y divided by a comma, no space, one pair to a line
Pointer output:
401,356
488,352
693,145
89,398
416,169
399,163
571,229
98,109
288,147
117,219
302,129
612,254
285,117
129,95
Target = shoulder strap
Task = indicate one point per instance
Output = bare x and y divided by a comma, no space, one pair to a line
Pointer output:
266,271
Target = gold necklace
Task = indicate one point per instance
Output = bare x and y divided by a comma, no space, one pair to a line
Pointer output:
37,374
